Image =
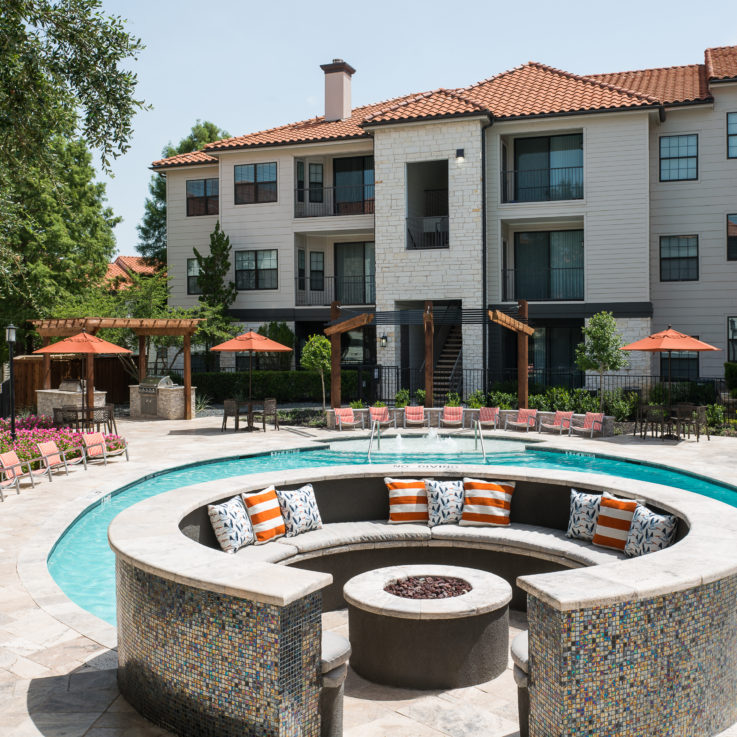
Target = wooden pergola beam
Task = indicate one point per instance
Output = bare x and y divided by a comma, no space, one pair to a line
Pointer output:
503,319
524,331
352,323
429,328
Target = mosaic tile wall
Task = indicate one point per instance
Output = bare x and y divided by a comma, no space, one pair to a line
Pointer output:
209,665
660,666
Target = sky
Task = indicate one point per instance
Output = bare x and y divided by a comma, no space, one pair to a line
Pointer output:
247,65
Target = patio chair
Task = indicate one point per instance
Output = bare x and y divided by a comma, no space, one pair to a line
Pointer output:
269,410
95,448
380,415
702,422
231,408
6,483
415,417
13,468
561,421
345,418
592,422
526,419
489,417
685,419
654,419
451,417
55,459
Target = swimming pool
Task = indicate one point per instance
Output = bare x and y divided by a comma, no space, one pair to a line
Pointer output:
83,565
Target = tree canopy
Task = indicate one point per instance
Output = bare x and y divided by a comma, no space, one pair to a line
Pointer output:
152,230
316,357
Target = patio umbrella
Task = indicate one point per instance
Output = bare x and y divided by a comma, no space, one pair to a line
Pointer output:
251,343
667,341
90,346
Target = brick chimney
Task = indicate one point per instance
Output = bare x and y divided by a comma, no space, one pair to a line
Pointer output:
337,89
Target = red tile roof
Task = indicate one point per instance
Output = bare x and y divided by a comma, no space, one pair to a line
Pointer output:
120,270
115,272
439,103
721,62
190,159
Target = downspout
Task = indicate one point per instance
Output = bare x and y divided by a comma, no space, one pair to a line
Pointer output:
484,289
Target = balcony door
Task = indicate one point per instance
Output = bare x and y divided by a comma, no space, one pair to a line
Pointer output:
548,265
548,168
354,273
354,185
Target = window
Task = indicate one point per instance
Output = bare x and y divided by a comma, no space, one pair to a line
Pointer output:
732,135
301,270
353,178
255,183
679,158
683,365
316,194
317,271
193,275
300,181
256,269
548,168
202,197
732,338
731,237
679,258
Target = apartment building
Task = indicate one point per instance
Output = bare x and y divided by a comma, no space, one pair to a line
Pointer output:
612,191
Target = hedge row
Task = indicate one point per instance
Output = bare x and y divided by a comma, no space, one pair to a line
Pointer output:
284,386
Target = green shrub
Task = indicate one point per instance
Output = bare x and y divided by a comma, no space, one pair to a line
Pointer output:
357,404
503,400
379,403
584,401
559,399
452,399
420,396
539,402
715,415
730,374
476,399
401,398
622,406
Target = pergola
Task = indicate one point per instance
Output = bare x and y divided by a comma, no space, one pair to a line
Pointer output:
142,327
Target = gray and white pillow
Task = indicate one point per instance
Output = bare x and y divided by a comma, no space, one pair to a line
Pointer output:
231,524
583,515
299,510
444,502
649,532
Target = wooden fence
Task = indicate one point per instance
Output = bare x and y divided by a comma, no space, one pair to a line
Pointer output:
110,376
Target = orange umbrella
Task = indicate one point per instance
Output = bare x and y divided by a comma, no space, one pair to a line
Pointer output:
252,343
87,344
667,341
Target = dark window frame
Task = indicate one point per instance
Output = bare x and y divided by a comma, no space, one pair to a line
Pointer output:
262,194
732,247
317,283
211,201
732,136
193,287
299,177
678,359
662,158
670,259
732,342
301,266
259,274
316,187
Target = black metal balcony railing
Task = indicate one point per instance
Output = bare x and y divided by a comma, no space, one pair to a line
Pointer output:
427,232
348,290
316,202
542,185
539,285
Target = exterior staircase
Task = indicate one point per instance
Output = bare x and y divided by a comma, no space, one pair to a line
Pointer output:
449,354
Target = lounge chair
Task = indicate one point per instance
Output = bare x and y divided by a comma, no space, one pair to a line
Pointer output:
345,418
269,410
561,421
13,467
55,459
380,415
95,448
526,419
592,422
415,417
6,483
451,417
488,417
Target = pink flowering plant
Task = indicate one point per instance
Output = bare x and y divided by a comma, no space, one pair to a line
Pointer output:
32,430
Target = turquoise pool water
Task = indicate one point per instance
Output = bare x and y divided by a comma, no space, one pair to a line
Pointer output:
83,565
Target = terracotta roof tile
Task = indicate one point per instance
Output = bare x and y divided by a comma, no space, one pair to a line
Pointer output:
426,106
136,264
115,272
195,157
668,84
721,62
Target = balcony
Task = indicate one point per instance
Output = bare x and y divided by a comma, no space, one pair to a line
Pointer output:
427,232
543,285
318,202
348,290
542,185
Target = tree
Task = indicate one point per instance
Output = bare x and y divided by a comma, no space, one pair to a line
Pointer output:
152,230
214,268
280,332
64,67
600,349
316,357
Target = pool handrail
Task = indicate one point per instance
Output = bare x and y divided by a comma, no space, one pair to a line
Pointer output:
478,433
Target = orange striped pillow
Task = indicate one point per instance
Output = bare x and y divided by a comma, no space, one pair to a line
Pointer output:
613,522
265,514
407,500
486,502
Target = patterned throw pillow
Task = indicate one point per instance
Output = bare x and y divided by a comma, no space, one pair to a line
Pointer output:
230,524
650,532
299,510
265,514
486,502
584,512
407,500
444,502
613,522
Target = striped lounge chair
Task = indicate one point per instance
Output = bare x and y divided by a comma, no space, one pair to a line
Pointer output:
380,415
415,417
561,421
345,418
489,417
12,468
592,422
526,419
451,417
55,459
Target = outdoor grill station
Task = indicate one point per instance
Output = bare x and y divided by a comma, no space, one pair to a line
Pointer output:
157,396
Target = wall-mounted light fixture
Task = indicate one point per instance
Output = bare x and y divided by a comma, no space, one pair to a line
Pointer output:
384,341
460,155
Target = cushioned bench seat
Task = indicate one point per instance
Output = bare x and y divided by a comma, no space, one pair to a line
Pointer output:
267,553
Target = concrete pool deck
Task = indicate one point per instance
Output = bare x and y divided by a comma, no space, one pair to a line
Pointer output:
57,663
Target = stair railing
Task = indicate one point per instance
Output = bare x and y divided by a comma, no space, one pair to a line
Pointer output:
455,380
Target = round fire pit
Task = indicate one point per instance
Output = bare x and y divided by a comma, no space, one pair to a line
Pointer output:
435,642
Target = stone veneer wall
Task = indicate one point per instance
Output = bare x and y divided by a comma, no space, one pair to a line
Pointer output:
209,665
660,666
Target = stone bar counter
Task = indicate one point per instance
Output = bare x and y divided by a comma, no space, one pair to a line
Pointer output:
47,399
